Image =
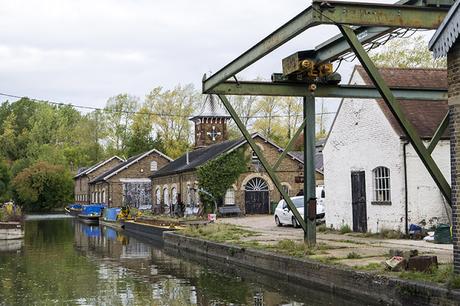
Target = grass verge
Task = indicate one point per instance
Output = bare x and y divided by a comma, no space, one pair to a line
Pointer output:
218,232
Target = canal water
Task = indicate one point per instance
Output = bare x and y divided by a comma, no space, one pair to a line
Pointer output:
66,262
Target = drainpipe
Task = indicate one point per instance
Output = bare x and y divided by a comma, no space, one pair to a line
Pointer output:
406,197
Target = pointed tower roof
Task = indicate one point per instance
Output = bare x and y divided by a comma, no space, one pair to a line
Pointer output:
211,108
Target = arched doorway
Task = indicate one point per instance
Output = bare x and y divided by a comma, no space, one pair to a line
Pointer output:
256,195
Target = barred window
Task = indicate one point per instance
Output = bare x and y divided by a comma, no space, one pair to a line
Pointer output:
382,190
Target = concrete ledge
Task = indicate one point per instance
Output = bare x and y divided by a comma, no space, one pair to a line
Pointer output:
341,281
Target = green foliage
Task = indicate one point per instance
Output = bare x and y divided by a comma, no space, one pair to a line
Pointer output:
5,177
218,175
344,229
218,232
443,274
406,53
43,187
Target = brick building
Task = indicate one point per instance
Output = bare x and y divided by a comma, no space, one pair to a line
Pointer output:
252,192
446,42
85,175
373,176
128,182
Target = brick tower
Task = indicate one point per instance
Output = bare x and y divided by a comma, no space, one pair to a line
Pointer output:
210,123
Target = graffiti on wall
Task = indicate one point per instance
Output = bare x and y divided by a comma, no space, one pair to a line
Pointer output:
137,195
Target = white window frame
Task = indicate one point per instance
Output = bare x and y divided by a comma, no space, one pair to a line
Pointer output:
381,185
153,166
229,198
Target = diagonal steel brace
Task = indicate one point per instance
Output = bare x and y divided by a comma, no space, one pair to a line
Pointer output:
396,110
289,145
439,132
271,173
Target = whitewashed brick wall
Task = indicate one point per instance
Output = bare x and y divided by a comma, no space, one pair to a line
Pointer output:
361,140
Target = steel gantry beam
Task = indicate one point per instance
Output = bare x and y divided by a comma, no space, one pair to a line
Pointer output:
324,12
396,110
271,173
324,91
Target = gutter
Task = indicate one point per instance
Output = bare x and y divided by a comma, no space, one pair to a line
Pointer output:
406,196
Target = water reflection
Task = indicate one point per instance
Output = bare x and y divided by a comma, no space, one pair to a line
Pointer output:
68,262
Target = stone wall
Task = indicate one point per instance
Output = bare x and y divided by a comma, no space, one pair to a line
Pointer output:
287,172
367,288
81,184
453,61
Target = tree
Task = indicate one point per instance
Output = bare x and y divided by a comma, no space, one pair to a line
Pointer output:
171,110
217,175
43,187
141,134
118,115
410,52
270,125
4,181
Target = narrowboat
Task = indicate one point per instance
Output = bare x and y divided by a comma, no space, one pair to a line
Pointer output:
110,217
74,209
91,213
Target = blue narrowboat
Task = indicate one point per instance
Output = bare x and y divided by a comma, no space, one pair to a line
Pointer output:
74,209
90,213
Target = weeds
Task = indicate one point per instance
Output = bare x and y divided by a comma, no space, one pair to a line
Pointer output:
374,266
218,232
443,274
344,229
353,255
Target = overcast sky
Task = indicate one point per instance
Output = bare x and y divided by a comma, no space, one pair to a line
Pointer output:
84,51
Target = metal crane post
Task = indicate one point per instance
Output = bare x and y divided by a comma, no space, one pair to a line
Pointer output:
309,184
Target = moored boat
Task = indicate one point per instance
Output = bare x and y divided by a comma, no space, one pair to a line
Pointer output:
110,217
74,209
11,230
91,213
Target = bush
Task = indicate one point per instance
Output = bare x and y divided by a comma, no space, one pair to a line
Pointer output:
43,187
344,229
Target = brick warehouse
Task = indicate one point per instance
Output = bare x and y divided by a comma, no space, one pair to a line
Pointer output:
446,42
128,183
252,192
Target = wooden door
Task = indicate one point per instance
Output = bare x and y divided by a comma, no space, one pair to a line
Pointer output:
257,197
358,201
257,202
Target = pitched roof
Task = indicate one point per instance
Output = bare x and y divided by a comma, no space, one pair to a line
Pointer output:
318,159
425,116
212,107
200,156
130,161
196,158
447,33
96,166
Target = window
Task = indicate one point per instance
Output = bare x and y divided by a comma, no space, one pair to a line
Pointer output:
174,195
103,196
230,197
153,166
166,196
382,190
286,189
158,196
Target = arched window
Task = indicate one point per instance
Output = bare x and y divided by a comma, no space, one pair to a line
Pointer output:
381,184
286,188
174,195
166,196
230,197
158,196
153,166
103,196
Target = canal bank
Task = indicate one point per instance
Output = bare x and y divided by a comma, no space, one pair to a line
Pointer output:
337,280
